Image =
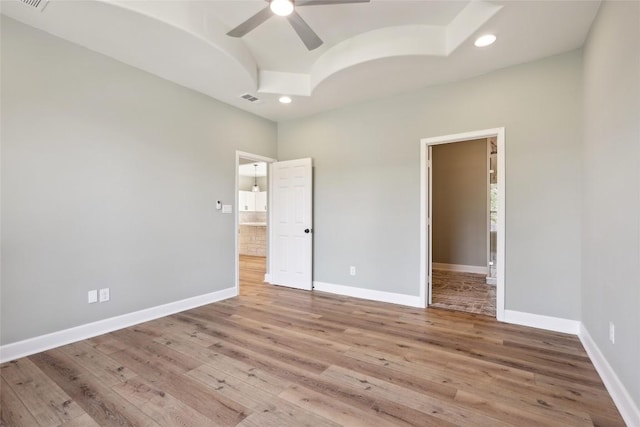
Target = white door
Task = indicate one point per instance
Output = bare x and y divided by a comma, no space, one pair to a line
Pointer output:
291,216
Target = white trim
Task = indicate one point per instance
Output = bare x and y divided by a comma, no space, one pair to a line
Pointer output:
350,291
488,211
501,237
425,256
549,323
461,268
34,345
253,158
620,395
491,281
624,402
430,230
267,278
425,143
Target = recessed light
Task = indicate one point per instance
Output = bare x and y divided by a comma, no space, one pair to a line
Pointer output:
285,100
485,40
281,7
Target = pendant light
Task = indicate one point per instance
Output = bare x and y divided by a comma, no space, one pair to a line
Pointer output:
255,188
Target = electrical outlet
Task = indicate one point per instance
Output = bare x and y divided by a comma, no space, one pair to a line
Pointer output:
612,333
352,270
104,295
92,296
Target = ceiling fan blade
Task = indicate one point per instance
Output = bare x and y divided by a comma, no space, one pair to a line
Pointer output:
325,2
251,23
306,34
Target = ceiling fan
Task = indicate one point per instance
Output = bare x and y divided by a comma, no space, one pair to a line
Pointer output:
287,8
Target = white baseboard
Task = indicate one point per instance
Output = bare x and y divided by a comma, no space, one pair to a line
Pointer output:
350,291
34,345
549,323
267,278
625,404
460,268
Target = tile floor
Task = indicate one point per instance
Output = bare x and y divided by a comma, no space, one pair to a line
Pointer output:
463,292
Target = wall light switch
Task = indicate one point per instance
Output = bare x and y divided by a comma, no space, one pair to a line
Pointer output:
227,209
93,296
104,295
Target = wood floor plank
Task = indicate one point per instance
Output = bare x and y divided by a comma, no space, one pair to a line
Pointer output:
106,344
81,421
259,397
286,342
46,400
275,357
96,399
332,409
282,418
242,338
536,396
438,408
145,347
159,405
321,342
225,365
174,326
514,414
220,410
582,372
108,371
384,408
12,410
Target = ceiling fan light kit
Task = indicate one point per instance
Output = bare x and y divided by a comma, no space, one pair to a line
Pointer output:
287,8
281,7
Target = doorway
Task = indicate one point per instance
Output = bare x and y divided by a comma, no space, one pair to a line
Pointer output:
464,253
460,227
252,221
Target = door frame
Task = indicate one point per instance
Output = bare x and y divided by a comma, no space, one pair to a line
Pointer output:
426,209
253,158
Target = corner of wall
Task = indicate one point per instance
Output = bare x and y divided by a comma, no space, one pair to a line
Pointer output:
620,395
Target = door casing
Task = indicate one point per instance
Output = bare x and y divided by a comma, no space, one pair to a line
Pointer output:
426,211
253,158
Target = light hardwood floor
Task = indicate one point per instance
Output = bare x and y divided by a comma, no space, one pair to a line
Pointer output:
280,357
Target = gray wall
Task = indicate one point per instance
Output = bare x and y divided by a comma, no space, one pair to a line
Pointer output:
109,179
611,230
460,211
367,177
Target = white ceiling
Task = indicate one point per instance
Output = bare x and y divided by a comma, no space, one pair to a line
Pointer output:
370,50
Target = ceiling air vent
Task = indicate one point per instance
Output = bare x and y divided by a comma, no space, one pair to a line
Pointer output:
249,97
36,4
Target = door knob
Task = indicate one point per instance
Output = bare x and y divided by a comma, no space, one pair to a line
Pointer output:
306,230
